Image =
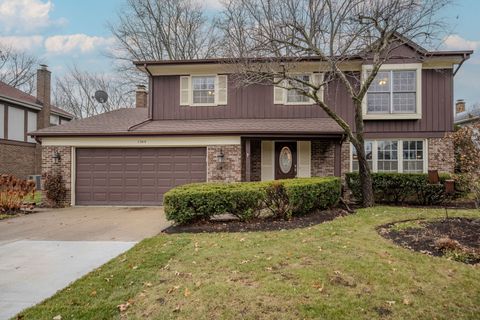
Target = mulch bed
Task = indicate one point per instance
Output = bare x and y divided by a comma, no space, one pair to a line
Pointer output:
464,230
258,224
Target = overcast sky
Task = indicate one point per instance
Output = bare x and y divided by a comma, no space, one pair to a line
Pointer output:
67,32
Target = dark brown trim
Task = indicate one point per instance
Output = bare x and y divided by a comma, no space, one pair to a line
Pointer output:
403,134
25,125
5,129
248,160
18,143
196,133
337,164
146,63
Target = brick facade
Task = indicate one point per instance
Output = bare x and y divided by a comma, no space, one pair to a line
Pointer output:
323,158
441,155
63,167
230,170
20,159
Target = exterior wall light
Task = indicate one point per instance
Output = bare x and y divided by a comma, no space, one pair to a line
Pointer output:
221,159
56,157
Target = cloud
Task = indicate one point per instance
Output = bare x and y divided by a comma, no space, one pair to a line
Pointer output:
20,16
455,42
62,44
23,43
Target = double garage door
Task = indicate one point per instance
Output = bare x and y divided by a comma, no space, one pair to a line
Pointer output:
135,176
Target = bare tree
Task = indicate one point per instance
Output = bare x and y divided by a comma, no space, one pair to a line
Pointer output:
75,91
268,40
18,69
161,30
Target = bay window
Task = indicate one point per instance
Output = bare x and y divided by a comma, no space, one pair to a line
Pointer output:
393,155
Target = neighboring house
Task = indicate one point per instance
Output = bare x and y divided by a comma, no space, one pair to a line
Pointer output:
466,116
198,125
20,113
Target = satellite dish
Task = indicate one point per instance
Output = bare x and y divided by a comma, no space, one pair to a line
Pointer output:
101,96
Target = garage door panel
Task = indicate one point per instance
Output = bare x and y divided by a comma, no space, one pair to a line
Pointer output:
135,176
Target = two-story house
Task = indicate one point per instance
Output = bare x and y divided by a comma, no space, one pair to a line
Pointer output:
196,124
20,113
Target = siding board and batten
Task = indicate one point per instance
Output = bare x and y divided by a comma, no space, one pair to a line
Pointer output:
257,102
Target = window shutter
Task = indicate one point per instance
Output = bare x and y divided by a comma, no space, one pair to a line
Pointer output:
278,94
184,91
222,89
304,151
317,79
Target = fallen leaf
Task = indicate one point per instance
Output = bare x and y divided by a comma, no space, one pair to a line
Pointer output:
134,267
123,307
406,301
177,308
58,317
93,293
187,292
148,284
390,303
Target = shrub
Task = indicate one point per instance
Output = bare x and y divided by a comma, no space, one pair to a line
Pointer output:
55,190
196,202
400,188
246,200
277,201
12,193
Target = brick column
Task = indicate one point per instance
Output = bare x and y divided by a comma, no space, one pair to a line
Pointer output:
228,171
441,155
63,167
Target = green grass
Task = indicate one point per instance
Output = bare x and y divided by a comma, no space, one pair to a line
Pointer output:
37,198
337,270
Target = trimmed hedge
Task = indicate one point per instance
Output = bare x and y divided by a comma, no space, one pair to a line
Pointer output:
400,188
246,200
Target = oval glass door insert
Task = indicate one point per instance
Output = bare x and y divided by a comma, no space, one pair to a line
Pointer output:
285,160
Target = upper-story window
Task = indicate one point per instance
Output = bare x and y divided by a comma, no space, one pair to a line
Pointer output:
16,124
203,90
54,120
289,92
295,96
395,93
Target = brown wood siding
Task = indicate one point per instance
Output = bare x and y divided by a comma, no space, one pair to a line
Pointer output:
256,101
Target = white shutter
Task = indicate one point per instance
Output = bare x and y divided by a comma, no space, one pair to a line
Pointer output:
304,159
317,79
267,160
278,94
221,90
184,91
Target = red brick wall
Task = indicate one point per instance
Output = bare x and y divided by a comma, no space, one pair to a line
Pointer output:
441,155
63,167
323,158
20,159
230,170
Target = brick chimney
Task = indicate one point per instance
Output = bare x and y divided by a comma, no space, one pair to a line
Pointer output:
141,96
43,95
460,106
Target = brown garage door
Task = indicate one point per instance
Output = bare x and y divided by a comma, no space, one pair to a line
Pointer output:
135,176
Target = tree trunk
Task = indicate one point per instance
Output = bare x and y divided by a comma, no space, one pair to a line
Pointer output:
364,174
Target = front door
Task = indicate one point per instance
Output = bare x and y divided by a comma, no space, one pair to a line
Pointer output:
285,160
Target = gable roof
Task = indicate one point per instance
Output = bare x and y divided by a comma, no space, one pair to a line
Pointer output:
14,95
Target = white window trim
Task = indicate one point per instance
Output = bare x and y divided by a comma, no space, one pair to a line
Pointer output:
310,101
399,153
395,116
190,85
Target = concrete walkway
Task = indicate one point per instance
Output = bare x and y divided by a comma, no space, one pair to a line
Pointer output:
44,252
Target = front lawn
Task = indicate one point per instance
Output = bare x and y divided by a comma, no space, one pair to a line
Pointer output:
342,269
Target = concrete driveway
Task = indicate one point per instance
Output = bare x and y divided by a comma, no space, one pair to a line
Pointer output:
43,252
